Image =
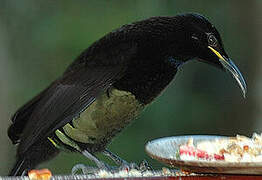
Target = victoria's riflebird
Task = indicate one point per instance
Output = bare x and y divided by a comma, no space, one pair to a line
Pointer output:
109,85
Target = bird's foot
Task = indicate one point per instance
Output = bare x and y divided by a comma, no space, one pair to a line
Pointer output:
83,169
86,169
124,165
143,166
92,170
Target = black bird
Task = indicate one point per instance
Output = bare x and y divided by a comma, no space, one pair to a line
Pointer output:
109,84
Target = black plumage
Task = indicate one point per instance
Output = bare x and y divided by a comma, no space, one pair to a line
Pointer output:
140,59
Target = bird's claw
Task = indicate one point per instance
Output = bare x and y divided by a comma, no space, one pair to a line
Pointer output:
143,166
79,167
127,166
85,169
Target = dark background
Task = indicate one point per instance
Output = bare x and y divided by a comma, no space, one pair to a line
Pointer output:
39,39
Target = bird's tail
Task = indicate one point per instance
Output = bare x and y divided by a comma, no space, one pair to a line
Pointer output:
20,167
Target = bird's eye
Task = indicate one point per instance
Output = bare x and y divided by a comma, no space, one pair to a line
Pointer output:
212,40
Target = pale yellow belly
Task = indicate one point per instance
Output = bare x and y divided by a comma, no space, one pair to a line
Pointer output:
104,117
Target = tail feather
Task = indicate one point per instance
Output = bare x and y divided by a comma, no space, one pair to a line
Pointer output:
38,153
20,167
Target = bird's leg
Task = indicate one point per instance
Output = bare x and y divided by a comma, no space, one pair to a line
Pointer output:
89,169
100,164
143,166
114,157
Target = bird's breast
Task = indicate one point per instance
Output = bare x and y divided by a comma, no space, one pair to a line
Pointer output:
106,116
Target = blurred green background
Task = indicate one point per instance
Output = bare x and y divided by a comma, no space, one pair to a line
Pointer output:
39,39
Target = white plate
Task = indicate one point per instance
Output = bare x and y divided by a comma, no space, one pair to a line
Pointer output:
165,150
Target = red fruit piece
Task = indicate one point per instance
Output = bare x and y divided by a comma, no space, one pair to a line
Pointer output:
188,150
202,154
219,157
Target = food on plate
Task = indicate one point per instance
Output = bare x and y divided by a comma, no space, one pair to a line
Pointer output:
231,149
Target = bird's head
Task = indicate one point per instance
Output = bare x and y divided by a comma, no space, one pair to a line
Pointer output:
204,41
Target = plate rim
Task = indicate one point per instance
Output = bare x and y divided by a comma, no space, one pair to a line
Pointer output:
198,163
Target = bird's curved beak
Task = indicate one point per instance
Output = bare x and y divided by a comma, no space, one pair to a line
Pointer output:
232,68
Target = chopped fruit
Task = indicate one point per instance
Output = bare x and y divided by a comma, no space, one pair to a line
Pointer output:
202,154
198,153
187,150
186,172
42,174
232,149
219,157
222,151
245,148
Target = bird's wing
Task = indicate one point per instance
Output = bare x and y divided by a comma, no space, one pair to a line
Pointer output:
22,115
65,99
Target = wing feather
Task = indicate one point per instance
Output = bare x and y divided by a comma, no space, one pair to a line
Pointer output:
65,99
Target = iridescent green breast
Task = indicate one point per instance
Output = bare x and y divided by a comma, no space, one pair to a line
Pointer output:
105,117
